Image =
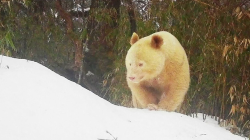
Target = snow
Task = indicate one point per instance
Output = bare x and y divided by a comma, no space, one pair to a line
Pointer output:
89,73
79,8
38,104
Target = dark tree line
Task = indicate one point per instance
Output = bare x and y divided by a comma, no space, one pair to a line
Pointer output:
87,40
89,28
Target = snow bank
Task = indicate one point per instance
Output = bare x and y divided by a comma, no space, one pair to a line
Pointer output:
38,104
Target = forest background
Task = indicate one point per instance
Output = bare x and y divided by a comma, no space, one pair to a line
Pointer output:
86,41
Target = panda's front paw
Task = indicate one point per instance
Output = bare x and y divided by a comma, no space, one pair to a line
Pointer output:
152,107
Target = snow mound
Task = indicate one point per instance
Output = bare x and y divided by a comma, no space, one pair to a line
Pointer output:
38,104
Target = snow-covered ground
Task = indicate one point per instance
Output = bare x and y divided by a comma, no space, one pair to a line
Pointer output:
38,104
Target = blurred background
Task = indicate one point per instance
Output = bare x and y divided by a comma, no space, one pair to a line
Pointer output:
86,41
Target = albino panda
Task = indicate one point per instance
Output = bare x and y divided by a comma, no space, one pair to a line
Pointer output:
157,71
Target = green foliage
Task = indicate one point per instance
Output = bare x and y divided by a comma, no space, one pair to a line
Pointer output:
8,40
26,33
114,86
6,44
215,35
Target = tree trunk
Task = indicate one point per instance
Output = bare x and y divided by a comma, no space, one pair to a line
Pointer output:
102,29
131,14
69,26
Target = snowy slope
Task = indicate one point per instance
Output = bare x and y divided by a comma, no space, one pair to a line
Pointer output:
38,104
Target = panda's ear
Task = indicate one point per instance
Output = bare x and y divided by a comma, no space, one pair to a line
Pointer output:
134,39
156,41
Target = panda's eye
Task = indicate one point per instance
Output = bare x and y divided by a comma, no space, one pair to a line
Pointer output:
140,64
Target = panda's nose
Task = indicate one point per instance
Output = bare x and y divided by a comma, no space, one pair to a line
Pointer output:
132,78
